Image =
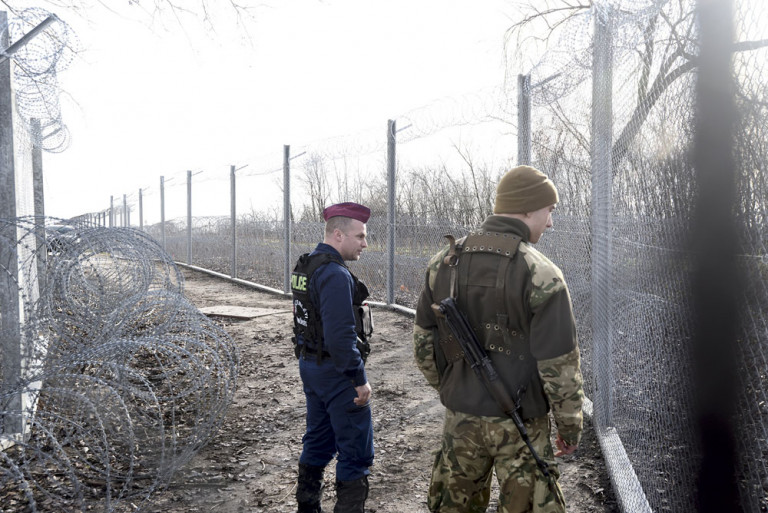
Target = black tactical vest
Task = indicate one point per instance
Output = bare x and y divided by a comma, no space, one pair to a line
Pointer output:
490,282
306,316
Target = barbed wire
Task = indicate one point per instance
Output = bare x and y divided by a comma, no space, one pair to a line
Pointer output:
35,75
123,379
567,62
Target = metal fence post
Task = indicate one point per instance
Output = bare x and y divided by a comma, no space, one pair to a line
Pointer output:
391,219
602,177
189,217
10,329
629,491
126,221
141,211
287,217
37,169
524,119
718,278
39,200
162,211
233,217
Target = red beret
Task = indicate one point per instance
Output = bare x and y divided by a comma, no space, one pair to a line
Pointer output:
353,210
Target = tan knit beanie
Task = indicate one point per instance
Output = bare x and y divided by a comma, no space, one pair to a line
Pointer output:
524,189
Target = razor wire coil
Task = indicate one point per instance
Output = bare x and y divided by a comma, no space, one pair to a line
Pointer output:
122,379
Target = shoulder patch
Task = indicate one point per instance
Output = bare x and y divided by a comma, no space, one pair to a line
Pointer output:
546,277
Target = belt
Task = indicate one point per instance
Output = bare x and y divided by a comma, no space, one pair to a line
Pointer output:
309,350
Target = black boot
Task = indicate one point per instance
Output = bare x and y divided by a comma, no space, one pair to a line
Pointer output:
351,495
309,491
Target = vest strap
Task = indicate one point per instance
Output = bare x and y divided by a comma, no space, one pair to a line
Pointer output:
452,261
501,304
502,244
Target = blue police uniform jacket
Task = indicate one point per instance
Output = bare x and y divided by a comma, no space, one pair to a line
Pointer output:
331,290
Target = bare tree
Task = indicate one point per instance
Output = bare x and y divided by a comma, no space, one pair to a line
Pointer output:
201,20
436,194
315,177
667,51
483,185
566,165
240,11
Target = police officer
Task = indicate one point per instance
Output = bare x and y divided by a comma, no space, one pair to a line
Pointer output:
328,331
518,304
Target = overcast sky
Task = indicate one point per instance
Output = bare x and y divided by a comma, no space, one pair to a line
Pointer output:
142,102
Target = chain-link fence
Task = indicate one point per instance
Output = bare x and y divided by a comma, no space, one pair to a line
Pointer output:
609,112
26,91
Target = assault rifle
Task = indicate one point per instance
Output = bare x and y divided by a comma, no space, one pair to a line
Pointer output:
478,359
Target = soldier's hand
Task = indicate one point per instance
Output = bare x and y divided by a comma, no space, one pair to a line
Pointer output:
564,449
363,394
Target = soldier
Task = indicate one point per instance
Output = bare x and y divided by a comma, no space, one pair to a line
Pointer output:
518,304
331,325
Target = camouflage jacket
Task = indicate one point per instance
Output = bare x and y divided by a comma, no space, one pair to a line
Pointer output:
534,327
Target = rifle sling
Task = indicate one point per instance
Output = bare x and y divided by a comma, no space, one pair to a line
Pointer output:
451,259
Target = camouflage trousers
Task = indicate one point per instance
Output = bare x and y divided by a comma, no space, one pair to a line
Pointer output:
473,447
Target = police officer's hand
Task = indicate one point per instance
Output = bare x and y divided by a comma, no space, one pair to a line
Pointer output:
564,449
363,394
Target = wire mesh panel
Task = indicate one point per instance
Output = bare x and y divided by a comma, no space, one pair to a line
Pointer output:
643,380
627,268
417,243
176,238
372,266
751,154
211,239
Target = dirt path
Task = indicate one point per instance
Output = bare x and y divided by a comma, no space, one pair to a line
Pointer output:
250,466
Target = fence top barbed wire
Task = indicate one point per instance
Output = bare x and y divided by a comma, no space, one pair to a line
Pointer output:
37,63
359,154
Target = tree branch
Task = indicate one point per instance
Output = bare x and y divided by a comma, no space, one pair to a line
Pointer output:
746,46
643,108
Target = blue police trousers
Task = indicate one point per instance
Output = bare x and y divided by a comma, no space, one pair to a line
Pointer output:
336,426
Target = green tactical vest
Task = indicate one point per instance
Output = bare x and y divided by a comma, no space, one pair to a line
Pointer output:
492,283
